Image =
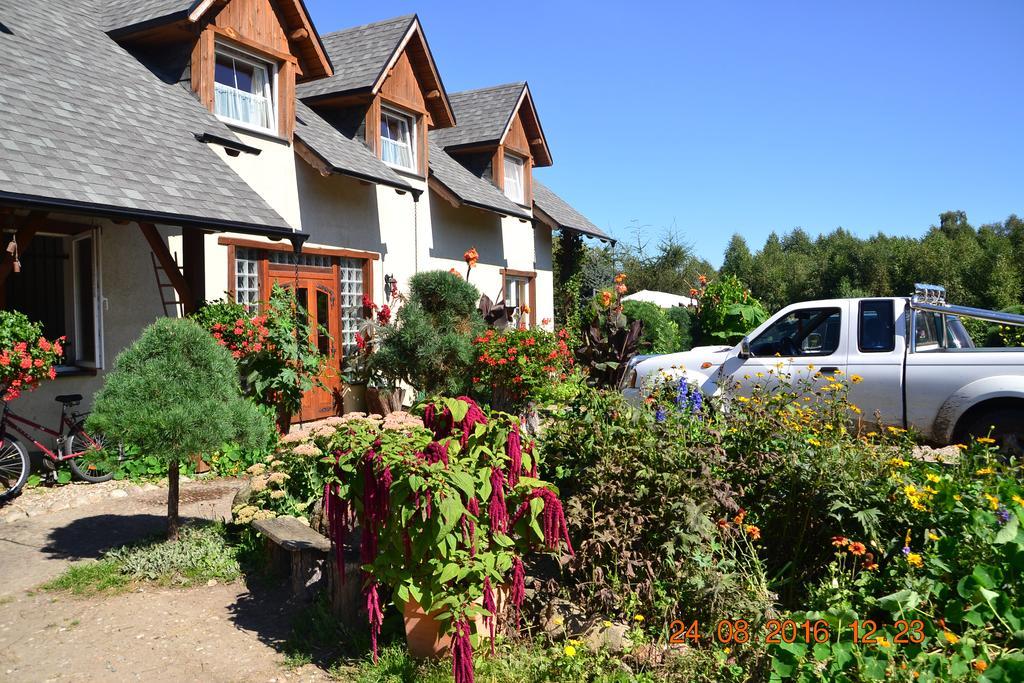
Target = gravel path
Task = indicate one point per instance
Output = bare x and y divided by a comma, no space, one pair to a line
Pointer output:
211,633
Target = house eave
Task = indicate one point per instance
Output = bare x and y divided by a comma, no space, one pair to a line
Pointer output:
124,213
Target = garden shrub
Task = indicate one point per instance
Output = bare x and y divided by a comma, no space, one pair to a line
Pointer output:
683,319
726,311
174,394
274,349
642,499
430,346
516,367
661,334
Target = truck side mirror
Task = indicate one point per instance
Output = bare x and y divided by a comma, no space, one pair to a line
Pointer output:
745,348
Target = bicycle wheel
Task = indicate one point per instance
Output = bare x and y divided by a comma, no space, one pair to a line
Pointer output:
98,460
14,468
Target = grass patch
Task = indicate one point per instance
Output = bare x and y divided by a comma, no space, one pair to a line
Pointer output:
200,554
89,578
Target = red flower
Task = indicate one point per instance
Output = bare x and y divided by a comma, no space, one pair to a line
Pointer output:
360,342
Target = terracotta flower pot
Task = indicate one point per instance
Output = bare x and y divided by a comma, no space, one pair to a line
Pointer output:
423,632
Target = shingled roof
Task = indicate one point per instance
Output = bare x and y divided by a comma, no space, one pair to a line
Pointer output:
483,115
562,215
341,153
363,55
123,14
468,188
119,145
359,55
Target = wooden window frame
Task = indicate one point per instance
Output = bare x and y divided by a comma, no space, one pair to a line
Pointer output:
531,276
232,243
254,59
413,121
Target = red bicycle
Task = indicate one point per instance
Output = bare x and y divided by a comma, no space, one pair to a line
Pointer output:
89,456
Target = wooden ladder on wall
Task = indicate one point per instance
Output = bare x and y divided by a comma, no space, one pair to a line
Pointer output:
173,306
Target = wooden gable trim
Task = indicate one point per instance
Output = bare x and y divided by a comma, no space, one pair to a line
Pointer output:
422,62
230,35
298,28
539,151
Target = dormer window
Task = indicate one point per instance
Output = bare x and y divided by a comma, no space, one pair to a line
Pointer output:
244,90
397,140
514,186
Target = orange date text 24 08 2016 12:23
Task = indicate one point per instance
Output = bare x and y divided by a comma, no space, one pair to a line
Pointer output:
777,631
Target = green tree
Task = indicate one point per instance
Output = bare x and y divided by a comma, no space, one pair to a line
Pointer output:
660,333
430,346
174,394
738,260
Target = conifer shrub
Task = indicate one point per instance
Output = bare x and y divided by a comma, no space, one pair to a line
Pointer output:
174,394
430,346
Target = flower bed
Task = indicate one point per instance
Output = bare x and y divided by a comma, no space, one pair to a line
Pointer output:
448,504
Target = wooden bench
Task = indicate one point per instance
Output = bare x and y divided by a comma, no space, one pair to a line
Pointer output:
298,551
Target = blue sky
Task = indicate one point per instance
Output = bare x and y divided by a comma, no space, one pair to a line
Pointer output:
718,117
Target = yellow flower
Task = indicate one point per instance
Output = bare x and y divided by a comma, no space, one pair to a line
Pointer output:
985,470
570,651
813,442
934,478
856,379
743,399
871,434
726,650
932,536
607,624
856,409
883,642
638,618
957,496
961,446
559,620
993,502
985,439
1017,499
914,560
979,665
951,637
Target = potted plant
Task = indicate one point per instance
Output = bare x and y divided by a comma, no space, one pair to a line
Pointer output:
446,509
26,357
382,395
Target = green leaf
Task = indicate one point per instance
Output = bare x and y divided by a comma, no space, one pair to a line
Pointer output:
1008,532
449,572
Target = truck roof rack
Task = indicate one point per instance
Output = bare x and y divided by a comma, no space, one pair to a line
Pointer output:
933,298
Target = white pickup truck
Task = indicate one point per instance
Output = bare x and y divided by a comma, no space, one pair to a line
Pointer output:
920,368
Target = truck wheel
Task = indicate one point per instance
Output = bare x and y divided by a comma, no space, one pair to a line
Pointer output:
1005,425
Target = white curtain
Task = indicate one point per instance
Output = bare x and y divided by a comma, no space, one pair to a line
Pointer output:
514,179
395,143
252,108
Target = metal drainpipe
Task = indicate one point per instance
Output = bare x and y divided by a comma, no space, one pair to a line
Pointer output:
415,233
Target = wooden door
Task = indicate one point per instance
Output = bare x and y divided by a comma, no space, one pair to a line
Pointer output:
317,293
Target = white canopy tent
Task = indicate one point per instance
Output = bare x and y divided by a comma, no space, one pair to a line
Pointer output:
662,299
